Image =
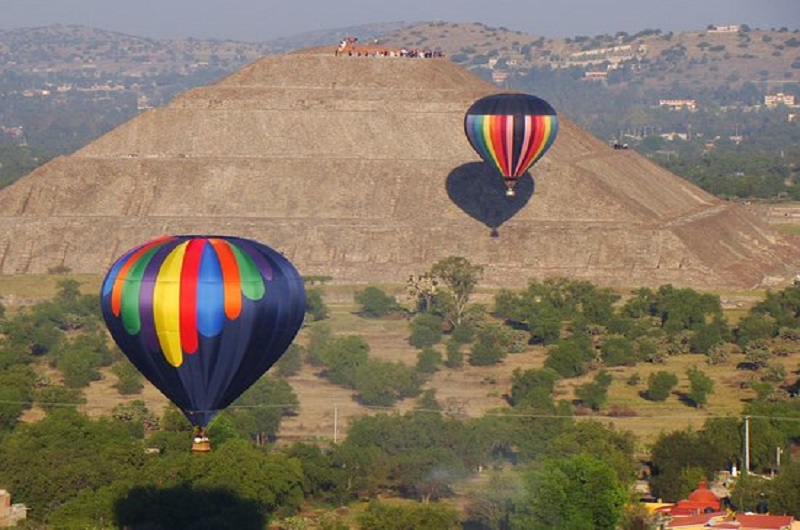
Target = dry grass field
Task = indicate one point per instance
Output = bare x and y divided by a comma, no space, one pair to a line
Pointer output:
325,409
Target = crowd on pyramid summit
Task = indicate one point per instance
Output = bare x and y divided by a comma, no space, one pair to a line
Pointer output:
348,47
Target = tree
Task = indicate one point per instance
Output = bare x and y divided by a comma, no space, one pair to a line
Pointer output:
581,492
381,383
618,351
571,357
426,330
315,305
423,290
490,347
461,277
257,413
428,361
783,490
533,388
595,393
290,362
129,379
319,336
673,455
16,394
491,506
383,516
343,356
660,384
700,386
375,303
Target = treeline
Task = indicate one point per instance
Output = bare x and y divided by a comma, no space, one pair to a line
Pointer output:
546,466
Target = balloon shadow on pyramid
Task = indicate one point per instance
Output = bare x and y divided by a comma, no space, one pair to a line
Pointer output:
480,192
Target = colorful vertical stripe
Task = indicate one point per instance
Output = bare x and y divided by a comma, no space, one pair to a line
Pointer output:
511,131
196,284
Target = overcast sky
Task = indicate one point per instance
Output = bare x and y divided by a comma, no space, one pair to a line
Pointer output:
263,20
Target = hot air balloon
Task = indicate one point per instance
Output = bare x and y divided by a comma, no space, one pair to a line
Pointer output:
203,317
511,132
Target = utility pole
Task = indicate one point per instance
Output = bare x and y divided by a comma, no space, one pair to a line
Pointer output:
335,423
746,469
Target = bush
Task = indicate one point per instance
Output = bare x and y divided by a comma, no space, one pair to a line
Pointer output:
455,357
426,330
428,361
490,346
375,303
129,380
290,362
315,306
660,384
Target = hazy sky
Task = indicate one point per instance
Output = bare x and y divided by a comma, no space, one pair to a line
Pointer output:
262,20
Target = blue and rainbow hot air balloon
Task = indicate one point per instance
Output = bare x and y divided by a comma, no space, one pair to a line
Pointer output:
203,317
511,132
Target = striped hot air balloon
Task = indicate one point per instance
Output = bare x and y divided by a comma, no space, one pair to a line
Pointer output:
203,317
511,132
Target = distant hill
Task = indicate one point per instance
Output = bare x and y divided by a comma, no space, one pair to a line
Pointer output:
706,57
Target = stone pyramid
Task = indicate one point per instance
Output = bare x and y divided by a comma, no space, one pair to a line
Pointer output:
358,168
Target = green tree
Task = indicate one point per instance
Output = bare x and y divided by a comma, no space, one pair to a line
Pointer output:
783,490
673,454
461,277
383,516
343,356
319,336
257,413
700,386
16,394
381,383
594,394
129,379
291,362
137,415
660,384
375,302
52,396
50,461
315,305
491,346
618,351
533,388
571,357
581,492
428,361
426,330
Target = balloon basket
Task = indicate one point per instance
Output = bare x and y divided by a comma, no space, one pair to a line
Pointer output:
510,193
202,446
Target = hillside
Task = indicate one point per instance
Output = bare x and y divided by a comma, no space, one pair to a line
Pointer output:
703,58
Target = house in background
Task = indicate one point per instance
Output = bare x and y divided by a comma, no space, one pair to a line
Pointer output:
10,514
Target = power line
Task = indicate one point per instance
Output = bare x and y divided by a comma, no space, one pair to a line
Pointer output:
498,414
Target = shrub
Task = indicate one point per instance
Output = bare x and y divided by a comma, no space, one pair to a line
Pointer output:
428,360
375,303
426,330
660,384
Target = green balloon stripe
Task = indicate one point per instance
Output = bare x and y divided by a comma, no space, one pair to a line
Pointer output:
249,275
131,317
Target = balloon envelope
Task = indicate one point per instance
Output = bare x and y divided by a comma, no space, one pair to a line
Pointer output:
203,317
511,132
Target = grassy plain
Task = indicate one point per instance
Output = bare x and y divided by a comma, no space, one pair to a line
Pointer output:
326,409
